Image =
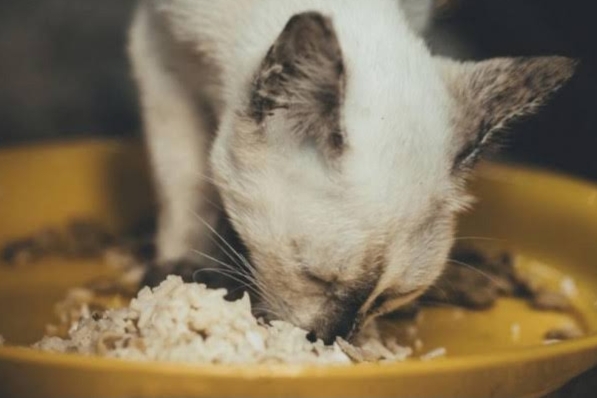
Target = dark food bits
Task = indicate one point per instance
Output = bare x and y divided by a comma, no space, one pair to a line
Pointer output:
80,239
475,281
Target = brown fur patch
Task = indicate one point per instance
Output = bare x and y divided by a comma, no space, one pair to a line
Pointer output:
345,293
343,313
303,73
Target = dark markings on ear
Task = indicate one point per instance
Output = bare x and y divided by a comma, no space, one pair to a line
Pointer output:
337,140
492,94
304,74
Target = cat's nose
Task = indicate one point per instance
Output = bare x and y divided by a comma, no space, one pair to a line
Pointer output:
329,335
343,324
312,336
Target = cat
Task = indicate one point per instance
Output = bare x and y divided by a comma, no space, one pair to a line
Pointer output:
330,137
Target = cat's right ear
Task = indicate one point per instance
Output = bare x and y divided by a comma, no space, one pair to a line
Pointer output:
490,95
303,74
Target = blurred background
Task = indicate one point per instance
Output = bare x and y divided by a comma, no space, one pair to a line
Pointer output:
64,74
63,70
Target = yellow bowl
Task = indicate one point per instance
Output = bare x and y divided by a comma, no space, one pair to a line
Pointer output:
550,220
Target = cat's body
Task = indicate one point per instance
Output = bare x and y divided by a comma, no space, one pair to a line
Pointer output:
337,144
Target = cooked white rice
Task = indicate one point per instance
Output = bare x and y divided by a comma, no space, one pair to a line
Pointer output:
515,331
433,354
568,287
189,323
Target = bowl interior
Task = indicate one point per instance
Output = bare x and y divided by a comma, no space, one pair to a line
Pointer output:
548,221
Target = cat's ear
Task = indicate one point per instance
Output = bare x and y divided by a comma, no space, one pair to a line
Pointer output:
491,94
303,75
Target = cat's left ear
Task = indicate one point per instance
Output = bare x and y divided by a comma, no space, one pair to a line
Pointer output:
303,73
489,95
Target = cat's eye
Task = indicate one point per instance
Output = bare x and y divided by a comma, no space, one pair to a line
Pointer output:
317,278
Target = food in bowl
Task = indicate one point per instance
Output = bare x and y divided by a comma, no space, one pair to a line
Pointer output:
187,322
100,319
476,280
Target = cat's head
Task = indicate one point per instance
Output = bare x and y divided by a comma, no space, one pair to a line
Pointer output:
344,167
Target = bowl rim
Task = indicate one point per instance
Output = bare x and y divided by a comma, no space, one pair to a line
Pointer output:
486,170
412,367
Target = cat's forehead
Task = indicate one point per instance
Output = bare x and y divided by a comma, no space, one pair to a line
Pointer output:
409,101
390,72
398,122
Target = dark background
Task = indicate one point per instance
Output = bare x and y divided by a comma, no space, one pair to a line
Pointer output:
63,70
64,74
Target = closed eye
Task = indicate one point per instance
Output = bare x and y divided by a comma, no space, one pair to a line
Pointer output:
325,282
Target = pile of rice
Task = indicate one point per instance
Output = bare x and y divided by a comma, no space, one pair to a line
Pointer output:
189,323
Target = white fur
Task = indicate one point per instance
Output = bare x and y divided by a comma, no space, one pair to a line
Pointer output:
392,193
177,141
396,113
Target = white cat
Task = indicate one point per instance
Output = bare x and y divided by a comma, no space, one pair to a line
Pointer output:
339,146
